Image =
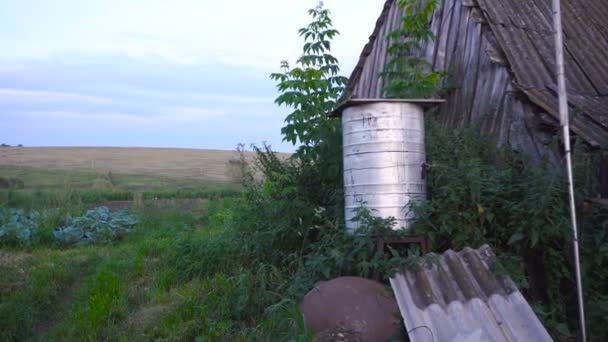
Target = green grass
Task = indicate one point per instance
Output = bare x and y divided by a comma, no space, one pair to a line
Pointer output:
75,189
179,276
182,274
147,286
85,198
33,283
58,180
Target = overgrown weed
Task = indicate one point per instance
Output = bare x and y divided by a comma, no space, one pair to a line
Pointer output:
482,194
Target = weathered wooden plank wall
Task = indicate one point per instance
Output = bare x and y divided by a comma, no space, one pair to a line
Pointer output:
484,95
482,86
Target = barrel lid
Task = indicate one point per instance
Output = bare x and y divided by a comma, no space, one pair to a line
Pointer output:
425,103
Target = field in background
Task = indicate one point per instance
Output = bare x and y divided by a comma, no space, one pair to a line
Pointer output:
132,169
135,168
82,177
35,178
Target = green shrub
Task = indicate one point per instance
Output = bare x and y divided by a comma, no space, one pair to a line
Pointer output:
284,221
102,183
293,217
16,183
481,194
227,306
236,168
4,183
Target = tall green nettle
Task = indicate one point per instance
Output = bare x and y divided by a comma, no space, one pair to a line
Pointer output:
312,88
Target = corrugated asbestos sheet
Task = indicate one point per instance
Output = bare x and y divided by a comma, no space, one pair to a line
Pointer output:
458,298
500,57
523,29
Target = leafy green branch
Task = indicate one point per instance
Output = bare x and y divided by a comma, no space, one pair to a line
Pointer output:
313,87
408,76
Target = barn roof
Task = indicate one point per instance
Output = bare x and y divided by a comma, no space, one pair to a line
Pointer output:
523,30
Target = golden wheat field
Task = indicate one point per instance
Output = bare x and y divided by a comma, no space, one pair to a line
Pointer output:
209,165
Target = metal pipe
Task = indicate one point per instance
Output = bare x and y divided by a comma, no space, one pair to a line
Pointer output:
563,114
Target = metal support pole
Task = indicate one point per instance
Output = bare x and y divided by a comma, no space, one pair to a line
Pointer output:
565,123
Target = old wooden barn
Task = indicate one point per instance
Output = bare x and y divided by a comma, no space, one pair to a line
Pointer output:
500,56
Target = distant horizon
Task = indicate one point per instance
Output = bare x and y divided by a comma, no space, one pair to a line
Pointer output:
247,148
184,74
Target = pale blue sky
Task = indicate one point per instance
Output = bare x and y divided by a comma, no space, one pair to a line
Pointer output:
179,73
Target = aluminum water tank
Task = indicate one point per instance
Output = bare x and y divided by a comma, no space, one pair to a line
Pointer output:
384,158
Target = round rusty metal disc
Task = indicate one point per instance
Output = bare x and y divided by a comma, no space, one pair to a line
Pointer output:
351,309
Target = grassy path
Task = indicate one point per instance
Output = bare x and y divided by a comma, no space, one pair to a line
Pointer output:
178,276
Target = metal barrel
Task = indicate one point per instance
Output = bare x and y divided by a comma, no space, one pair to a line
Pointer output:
384,157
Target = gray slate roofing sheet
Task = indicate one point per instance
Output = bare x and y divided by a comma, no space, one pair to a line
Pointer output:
524,30
456,297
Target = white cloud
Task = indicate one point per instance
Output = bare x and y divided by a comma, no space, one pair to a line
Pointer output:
26,95
192,96
251,33
185,115
168,117
76,116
